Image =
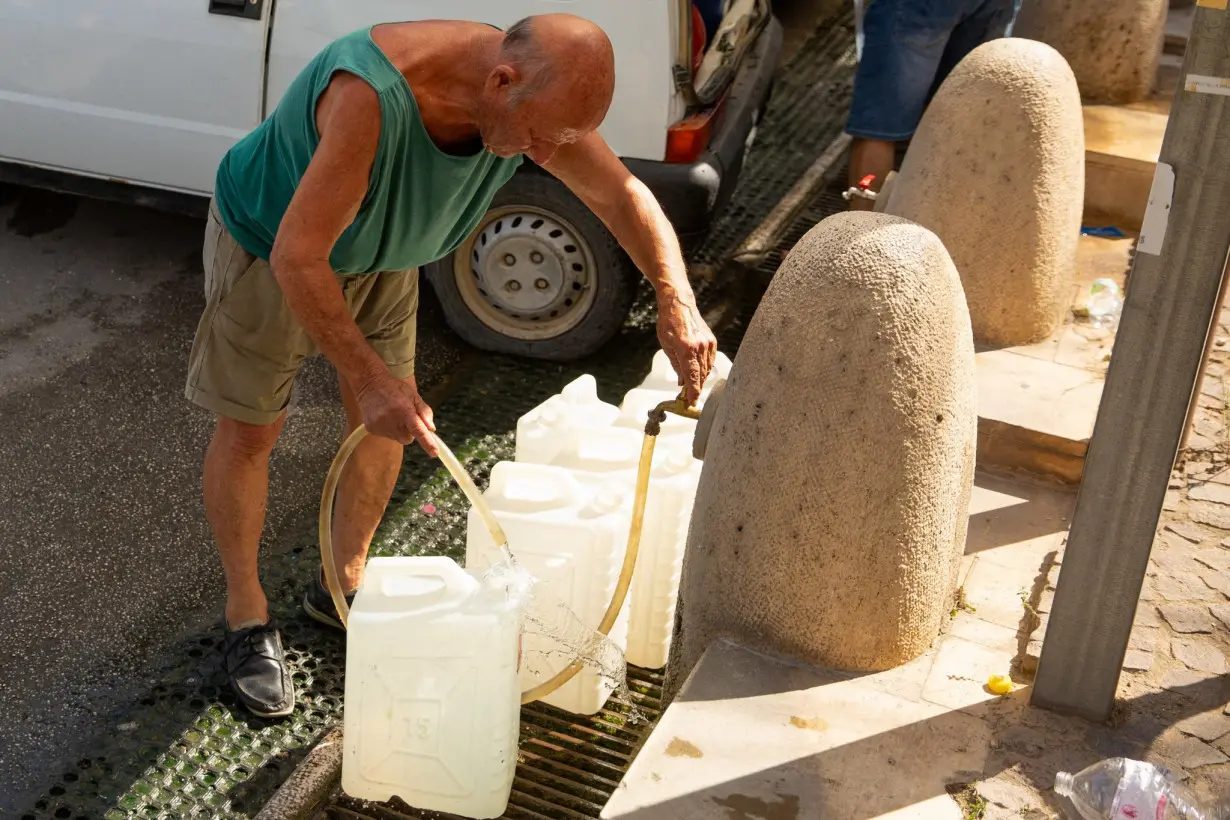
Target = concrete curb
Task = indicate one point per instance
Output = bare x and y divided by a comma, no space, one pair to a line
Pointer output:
310,783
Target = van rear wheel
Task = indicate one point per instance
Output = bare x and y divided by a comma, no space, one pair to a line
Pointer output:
539,277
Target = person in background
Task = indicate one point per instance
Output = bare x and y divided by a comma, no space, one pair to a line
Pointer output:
909,48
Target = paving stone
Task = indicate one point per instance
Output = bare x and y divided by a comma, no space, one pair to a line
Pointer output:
1146,616
1171,502
1208,491
1219,581
1200,443
1209,429
1136,660
1222,613
1184,586
1208,726
1175,483
1188,531
1178,679
842,748
1199,655
1187,618
1191,753
1148,592
1215,515
1176,560
1216,558
1143,638
1007,798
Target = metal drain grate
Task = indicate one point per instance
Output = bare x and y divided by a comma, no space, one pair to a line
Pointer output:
188,750
568,766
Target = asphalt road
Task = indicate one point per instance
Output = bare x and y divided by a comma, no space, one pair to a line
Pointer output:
105,559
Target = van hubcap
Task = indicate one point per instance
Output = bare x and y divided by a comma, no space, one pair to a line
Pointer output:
526,273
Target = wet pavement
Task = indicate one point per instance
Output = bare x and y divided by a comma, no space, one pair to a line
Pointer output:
107,562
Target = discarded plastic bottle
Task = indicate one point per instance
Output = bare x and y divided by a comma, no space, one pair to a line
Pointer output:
1123,789
1105,302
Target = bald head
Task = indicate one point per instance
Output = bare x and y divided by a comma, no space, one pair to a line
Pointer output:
551,85
562,54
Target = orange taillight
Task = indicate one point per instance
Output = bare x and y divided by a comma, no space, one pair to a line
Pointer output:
687,140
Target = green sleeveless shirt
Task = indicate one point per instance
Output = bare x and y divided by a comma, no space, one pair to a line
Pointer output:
421,202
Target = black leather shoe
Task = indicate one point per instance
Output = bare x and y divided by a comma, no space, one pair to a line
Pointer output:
256,669
318,603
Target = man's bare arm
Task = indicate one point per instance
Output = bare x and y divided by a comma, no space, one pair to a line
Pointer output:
632,214
325,203
593,172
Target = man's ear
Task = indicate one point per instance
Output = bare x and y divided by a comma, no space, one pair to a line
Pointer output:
503,77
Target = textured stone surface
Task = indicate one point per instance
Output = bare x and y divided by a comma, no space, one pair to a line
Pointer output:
1210,491
866,313
1114,47
1019,161
1184,586
1187,531
1215,515
1182,679
1222,613
1208,726
1219,581
1199,655
1218,559
1187,618
1191,753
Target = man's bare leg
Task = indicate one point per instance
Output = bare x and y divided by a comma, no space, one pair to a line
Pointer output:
236,486
362,494
870,157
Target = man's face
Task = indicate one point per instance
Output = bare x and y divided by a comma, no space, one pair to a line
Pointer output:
535,125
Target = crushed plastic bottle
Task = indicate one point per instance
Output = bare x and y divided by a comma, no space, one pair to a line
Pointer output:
1105,302
1124,789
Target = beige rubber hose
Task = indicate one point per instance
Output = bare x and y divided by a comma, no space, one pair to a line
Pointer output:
329,493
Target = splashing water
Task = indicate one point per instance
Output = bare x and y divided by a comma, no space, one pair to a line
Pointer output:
554,636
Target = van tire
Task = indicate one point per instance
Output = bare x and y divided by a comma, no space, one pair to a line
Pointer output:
545,278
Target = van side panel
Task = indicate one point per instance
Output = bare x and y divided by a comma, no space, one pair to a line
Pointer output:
642,32
153,92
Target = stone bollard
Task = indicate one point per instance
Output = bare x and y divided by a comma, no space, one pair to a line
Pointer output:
832,508
1114,47
997,171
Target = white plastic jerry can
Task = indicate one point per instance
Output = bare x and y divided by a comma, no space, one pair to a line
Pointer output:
432,696
572,542
539,431
610,456
662,374
659,563
662,385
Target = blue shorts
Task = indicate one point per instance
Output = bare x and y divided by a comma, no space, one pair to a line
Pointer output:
910,46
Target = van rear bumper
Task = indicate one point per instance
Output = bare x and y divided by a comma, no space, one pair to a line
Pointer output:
693,195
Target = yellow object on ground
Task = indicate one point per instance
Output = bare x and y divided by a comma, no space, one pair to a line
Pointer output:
1000,684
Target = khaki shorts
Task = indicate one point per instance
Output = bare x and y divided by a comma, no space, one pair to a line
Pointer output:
249,345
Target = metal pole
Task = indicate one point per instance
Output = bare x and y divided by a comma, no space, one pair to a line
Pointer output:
1194,403
1166,319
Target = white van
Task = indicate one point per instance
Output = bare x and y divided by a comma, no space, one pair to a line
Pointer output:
140,100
